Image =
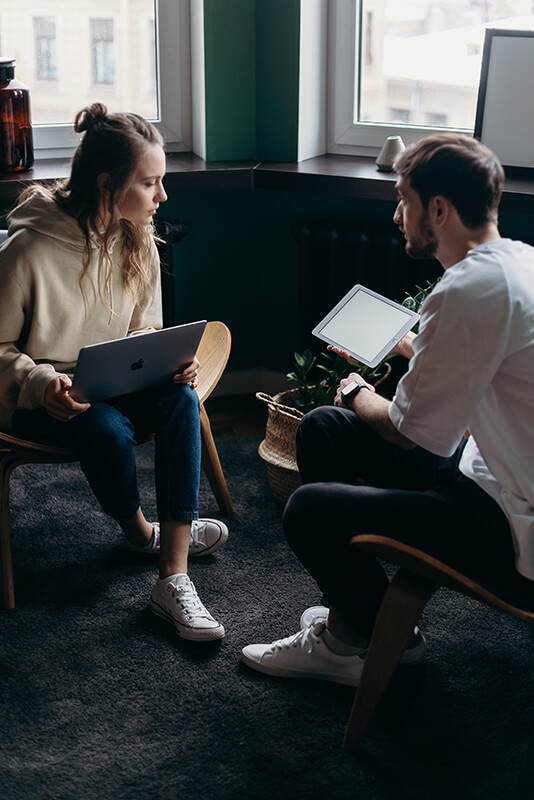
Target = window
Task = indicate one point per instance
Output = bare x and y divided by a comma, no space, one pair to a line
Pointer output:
45,48
133,55
436,120
402,67
102,51
402,115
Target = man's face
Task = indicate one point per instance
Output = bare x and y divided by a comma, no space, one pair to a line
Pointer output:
414,223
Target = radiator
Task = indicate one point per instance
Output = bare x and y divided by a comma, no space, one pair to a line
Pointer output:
336,254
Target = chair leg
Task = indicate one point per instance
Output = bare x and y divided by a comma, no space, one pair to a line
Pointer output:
212,466
399,613
7,585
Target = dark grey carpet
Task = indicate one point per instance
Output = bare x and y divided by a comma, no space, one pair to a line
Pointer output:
101,700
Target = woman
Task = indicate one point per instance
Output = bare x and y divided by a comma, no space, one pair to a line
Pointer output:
80,266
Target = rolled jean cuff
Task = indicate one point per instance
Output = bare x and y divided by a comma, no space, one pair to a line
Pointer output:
179,516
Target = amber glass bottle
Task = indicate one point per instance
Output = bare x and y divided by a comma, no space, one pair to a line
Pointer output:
16,138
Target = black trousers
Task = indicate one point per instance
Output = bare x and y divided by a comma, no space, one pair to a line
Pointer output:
354,482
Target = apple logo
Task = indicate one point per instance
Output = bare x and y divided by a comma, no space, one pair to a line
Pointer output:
137,364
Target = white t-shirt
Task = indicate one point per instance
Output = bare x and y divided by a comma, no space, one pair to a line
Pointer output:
473,369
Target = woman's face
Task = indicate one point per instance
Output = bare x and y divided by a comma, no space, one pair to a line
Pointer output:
145,191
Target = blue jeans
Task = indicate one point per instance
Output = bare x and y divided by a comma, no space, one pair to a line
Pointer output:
105,436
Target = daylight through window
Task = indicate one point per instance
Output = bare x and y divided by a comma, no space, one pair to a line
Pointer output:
73,53
418,61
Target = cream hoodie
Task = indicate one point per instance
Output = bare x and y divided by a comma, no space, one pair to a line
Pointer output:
43,320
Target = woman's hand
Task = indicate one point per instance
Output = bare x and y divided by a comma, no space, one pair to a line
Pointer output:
59,404
189,374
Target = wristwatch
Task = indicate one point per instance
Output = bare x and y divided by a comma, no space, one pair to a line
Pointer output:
351,390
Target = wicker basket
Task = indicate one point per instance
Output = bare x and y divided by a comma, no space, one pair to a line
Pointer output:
278,448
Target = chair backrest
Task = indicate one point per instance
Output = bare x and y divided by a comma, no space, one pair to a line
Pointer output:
213,352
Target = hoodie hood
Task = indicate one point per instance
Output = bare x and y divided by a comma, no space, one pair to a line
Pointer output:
39,212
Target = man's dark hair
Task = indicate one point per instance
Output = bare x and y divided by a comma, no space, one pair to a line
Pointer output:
457,167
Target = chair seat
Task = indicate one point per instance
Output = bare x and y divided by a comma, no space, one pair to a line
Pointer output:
512,593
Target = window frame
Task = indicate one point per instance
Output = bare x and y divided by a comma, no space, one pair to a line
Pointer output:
344,135
173,59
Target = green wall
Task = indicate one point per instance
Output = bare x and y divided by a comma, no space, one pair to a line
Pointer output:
229,52
277,79
251,53
239,263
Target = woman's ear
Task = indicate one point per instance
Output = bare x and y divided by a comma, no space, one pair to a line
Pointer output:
104,184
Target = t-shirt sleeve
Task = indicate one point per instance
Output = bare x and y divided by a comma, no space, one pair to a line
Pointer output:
459,348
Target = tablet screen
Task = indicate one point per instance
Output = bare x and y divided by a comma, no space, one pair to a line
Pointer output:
366,325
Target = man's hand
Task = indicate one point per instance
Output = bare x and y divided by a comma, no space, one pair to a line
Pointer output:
189,374
339,352
354,376
405,346
59,404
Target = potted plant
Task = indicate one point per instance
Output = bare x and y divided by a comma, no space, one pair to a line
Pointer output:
316,379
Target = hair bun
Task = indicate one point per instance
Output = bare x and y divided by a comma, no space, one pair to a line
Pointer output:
90,116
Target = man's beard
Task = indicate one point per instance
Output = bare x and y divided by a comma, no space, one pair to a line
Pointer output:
425,245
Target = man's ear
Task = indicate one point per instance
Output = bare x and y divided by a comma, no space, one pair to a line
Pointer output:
439,208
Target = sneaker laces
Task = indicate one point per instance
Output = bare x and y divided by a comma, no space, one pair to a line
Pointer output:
197,526
307,639
186,595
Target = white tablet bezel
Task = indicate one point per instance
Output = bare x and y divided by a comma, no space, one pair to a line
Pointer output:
387,347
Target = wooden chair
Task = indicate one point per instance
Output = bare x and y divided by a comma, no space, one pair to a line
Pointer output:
411,588
213,353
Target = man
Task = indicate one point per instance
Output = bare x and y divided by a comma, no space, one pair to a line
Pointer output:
405,468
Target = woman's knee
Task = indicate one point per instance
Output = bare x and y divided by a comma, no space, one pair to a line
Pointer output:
102,427
180,401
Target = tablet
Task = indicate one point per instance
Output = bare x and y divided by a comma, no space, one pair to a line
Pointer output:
366,325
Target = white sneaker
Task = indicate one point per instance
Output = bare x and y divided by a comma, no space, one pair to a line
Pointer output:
175,599
414,652
207,535
305,655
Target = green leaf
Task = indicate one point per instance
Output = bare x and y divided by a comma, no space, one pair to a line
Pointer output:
299,359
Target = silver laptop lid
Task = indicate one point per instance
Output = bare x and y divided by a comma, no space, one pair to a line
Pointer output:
121,366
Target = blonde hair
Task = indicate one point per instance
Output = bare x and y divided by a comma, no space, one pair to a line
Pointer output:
113,145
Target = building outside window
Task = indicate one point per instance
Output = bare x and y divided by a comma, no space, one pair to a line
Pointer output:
436,120
118,52
45,48
425,65
102,51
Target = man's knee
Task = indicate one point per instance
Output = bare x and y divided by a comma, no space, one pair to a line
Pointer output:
301,519
319,426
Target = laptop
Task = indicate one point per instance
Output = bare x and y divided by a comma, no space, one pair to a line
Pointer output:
121,366
366,325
